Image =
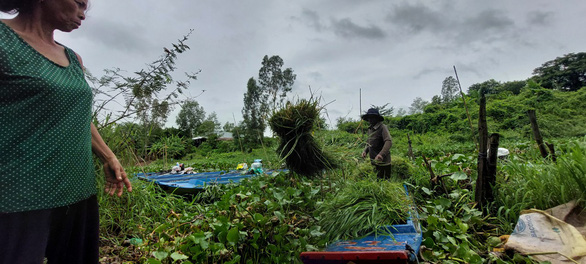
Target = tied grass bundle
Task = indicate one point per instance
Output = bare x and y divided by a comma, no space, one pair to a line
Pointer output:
293,124
363,208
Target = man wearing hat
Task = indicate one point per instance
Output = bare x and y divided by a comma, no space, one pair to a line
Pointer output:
378,144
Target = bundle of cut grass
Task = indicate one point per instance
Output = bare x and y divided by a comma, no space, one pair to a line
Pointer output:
362,208
293,124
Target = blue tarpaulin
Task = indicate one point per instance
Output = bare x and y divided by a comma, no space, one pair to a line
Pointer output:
194,181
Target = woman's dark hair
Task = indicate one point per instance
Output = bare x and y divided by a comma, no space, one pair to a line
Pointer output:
17,6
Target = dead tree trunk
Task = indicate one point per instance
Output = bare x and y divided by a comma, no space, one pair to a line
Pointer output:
480,195
536,133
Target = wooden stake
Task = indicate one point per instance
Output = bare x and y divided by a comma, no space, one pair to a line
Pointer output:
482,160
490,179
410,152
551,151
536,133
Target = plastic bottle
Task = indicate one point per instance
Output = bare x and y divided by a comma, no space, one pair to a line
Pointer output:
256,166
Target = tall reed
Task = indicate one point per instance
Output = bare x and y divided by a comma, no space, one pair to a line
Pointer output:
542,184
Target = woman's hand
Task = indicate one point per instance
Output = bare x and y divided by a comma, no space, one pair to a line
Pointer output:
116,178
378,157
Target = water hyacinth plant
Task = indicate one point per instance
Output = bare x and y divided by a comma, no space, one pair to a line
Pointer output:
363,207
298,148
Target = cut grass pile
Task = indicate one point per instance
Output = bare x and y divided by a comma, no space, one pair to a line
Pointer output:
362,208
298,148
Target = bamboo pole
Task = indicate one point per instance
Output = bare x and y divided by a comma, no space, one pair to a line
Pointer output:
466,107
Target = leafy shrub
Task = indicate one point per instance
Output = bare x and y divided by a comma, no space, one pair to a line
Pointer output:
168,147
354,127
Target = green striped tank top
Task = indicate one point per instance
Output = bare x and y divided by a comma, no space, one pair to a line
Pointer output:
45,137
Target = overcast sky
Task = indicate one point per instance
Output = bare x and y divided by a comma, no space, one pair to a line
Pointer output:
394,51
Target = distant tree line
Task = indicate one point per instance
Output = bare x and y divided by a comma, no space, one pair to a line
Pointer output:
547,91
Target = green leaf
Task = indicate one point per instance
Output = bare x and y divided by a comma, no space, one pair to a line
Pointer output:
457,157
475,259
315,231
463,227
153,261
272,249
279,215
278,195
493,241
314,191
426,191
432,220
160,255
178,256
259,218
428,242
222,236
452,240
445,203
233,235
458,176
235,259
161,228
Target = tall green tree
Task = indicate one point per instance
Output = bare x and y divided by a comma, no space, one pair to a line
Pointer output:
228,127
263,97
275,83
417,105
401,112
190,117
252,113
566,73
514,87
487,87
210,126
449,90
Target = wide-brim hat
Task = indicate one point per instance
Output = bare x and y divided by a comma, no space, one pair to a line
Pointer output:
372,112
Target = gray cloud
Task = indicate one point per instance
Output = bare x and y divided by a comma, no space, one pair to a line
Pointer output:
427,71
314,75
451,25
348,29
417,18
121,37
487,26
489,20
312,19
344,27
540,18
